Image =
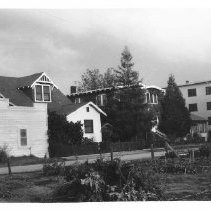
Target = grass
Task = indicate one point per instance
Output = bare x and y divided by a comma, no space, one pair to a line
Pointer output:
27,160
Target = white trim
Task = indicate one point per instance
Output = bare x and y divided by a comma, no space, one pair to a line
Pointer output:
37,80
42,93
96,107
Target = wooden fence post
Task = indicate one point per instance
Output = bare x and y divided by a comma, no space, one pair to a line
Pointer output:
111,150
8,165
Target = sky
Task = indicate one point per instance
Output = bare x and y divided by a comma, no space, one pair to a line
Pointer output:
64,43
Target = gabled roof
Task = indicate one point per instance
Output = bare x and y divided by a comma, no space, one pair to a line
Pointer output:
70,108
11,87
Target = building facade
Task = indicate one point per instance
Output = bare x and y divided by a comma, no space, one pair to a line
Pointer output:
198,100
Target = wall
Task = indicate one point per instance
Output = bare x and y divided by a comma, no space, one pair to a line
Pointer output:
81,114
34,119
201,99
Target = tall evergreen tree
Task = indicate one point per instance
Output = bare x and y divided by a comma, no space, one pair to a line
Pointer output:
175,117
125,74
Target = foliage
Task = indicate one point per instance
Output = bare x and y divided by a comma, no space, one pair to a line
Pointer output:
52,169
175,117
125,74
86,140
129,115
62,132
3,154
170,154
93,79
108,181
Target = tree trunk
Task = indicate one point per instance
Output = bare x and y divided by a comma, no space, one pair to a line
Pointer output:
8,165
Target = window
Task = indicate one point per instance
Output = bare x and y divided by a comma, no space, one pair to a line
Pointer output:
193,107
209,120
42,93
87,109
208,90
88,126
23,137
38,92
101,100
148,97
191,92
208,105
46,90
77,100
155,98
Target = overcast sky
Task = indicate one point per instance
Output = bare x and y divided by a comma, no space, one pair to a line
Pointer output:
64,43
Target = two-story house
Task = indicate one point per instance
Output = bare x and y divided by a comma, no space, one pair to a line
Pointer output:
24,105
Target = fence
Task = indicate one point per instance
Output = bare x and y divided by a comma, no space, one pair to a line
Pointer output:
96,148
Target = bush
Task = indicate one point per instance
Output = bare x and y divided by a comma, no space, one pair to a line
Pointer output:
3,154
52,169
108,181
170,154
62,132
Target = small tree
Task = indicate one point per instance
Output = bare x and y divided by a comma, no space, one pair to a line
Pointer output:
62,132
175,117
125,74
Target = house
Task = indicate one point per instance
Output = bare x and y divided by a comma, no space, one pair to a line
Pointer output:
24,106
90,116
100,96
198,100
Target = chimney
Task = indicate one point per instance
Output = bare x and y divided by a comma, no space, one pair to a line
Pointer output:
73,89
186,82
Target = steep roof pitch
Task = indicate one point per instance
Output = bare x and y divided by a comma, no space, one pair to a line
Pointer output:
9,89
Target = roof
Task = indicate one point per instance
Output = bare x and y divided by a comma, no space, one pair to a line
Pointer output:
10,88
70,108
195,117
102,90
195,83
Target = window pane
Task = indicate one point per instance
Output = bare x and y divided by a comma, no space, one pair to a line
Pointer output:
46,90
88,126
98,100
208,90
151,98
208,105
104,100
191,92
23,137
193,107
148,98
38,92
209,120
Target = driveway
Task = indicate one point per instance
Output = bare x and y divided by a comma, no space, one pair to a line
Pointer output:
132,155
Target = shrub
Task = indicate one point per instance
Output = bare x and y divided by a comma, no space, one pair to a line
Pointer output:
52,169
62,132
170,154
3,154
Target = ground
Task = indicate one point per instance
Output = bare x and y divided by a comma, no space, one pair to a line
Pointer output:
34,187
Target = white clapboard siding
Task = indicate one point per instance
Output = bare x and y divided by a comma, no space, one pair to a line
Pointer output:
81,114
34,119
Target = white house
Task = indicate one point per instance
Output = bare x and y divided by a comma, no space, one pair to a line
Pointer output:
24,106
89,115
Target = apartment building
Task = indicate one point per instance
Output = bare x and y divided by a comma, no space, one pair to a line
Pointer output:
198,100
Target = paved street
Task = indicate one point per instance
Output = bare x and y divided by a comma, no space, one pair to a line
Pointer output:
134,155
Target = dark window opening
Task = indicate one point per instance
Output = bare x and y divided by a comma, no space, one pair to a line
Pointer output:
38,92
88,126
46,90
191,92
208,90
209,121
193,107
23,135
87,109
208,105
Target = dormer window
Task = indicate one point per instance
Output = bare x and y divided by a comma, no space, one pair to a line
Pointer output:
42,93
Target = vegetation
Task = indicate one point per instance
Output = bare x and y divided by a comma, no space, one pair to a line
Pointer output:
175,117
61,132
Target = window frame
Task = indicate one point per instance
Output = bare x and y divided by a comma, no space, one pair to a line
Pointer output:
209,104
20,138
208,90
42,88
193,110
190,95
92,128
